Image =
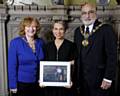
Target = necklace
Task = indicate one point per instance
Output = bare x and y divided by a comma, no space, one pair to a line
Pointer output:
86,35
32,45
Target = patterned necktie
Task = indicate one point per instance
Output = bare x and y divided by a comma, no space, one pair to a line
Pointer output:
87,30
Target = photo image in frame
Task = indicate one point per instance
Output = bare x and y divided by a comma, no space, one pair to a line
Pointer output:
54,73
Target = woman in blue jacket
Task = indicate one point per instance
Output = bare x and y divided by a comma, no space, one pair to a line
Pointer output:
24,55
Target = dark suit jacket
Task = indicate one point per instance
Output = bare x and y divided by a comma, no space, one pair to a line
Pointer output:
100,56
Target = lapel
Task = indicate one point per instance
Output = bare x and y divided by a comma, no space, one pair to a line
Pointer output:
96,24
37,46
91,39
29,49
80,38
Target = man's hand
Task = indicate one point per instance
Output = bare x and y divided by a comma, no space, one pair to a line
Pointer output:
105,85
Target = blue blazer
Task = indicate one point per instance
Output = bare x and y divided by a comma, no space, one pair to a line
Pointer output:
23,63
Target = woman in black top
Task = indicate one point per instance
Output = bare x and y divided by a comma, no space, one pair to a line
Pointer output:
60,49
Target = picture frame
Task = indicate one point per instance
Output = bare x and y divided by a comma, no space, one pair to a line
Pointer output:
55,73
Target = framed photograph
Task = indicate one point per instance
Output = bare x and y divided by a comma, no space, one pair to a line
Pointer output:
54,73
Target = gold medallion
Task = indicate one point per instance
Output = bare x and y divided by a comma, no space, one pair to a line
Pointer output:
85,42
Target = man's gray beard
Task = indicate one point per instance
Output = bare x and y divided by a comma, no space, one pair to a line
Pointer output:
87,23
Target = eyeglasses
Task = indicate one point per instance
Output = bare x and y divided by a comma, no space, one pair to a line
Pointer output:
89,12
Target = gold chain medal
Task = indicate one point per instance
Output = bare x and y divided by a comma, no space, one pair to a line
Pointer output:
85,42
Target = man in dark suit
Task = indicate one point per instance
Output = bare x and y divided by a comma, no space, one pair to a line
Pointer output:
97,47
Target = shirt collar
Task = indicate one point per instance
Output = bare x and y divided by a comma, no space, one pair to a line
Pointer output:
90,27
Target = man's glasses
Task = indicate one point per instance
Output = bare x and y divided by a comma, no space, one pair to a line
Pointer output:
89,12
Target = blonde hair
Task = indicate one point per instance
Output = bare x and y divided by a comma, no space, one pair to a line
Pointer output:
27,22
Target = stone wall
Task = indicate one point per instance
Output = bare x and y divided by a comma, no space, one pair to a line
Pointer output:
10,17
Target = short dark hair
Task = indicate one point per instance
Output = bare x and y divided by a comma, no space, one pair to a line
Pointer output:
61,22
